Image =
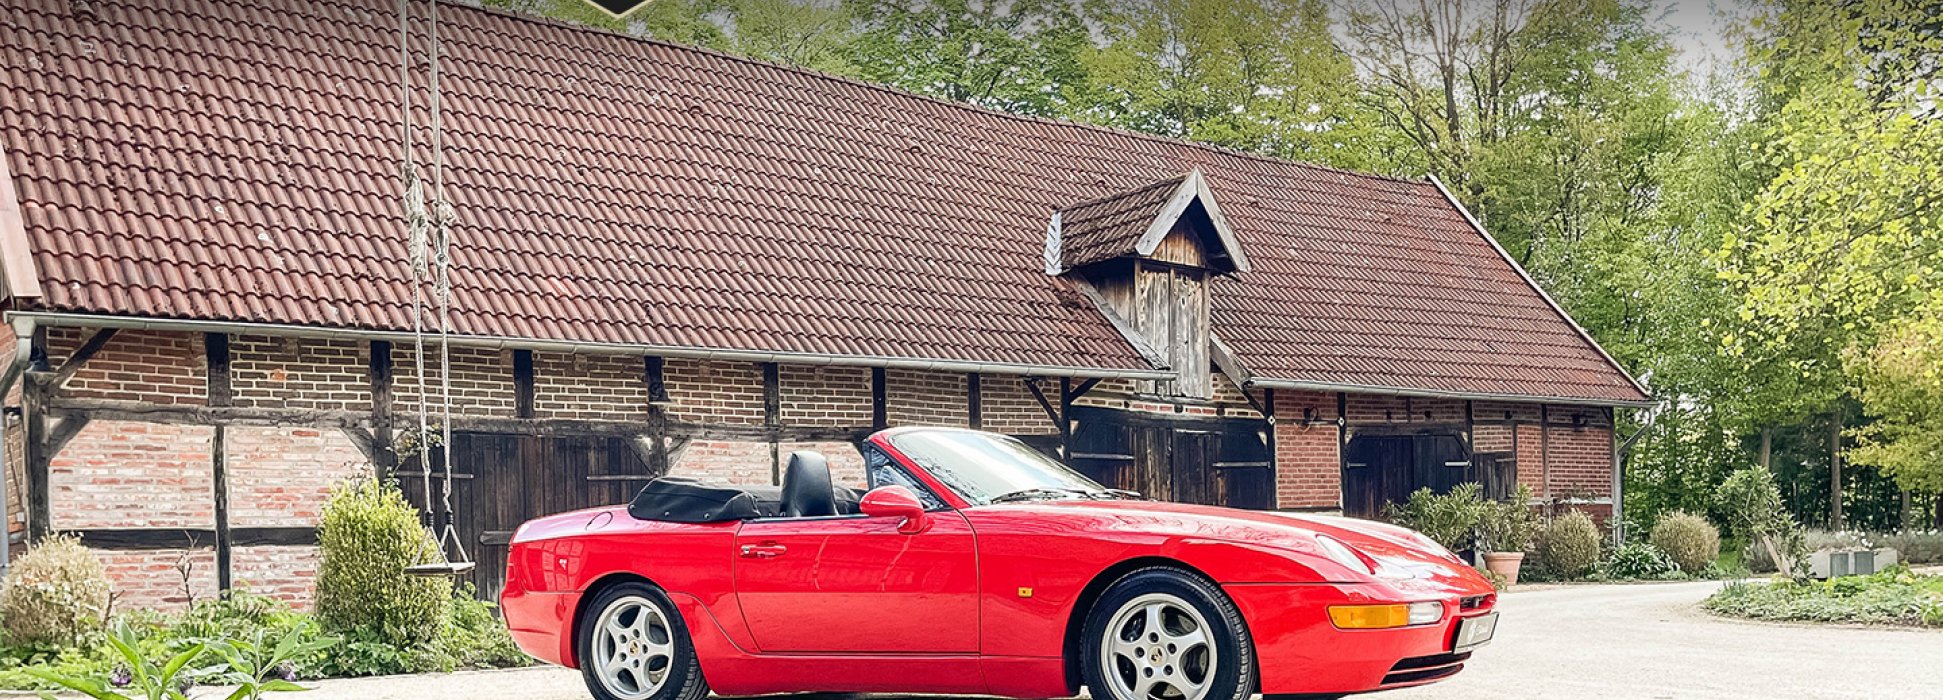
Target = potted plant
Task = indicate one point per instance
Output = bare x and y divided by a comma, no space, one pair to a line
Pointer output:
1505,530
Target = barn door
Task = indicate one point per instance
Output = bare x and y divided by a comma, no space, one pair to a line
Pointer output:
1215,461
500,481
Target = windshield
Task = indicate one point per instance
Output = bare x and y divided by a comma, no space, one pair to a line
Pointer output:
986,468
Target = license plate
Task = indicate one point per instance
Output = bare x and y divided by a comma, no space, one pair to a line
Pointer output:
1474,632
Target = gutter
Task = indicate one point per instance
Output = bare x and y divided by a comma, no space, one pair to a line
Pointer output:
1541,293
23,353
49,318
1442,394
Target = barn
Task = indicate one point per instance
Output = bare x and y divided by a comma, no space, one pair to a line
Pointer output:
668,260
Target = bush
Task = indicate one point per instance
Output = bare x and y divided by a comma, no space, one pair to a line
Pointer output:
1508,526
1451,519
55,595
1894,596
470,636
1569,546
1753,505
1691,541
1638,561
369,536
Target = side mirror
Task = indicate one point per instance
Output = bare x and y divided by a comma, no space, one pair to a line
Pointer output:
895,502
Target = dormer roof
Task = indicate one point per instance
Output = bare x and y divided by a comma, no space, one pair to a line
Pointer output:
1132,224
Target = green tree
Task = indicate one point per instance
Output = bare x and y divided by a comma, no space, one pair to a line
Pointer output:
1019,56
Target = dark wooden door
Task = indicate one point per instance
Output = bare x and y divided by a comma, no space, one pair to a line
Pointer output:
1215,461
1382,469
500,481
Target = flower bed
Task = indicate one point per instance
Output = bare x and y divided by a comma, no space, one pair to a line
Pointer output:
1893,597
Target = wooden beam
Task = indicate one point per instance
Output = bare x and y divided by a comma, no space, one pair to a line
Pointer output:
384,460
109,409
221,483
643,448
1065,416
364,440
879,400
1342,446
657,377
1052,414
974,402
63,432
1069,392
89,348
523,387
216,351
772,416
125,539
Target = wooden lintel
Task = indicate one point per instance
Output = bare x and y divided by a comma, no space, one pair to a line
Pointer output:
107,409
76,361
194,538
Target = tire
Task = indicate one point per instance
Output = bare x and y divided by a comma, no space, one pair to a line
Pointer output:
1200,651
632,645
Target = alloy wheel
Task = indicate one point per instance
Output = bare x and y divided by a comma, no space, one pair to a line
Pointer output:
1157,647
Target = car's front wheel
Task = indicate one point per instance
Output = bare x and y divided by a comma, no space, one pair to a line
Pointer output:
632,645
1165,634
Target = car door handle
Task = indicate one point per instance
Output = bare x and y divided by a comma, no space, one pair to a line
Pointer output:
763,551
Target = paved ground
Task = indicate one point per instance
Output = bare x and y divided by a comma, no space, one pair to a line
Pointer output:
1642,642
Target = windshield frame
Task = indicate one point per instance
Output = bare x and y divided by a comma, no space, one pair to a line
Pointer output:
907,445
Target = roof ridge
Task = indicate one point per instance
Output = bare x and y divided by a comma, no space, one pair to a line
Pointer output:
1050,121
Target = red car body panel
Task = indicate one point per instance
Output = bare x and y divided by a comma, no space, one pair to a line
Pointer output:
982,601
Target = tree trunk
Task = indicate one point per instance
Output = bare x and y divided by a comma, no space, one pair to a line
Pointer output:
1767,448
1835,519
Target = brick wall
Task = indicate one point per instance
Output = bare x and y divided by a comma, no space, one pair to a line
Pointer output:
824,397
286,572
1009,408
124,474
914,397
280,477
726,462
153,580
1308,466
152,366
275,372
602,387
482,381
714,392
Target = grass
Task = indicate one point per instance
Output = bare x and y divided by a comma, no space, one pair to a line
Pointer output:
1893,597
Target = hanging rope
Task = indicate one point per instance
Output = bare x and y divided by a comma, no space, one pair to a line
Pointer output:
430,250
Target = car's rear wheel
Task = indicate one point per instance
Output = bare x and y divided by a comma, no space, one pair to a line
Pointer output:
632,645
1166,634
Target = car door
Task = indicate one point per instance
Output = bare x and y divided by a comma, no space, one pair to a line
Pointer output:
856,584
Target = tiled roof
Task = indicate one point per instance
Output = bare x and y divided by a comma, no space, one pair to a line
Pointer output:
1109,227
237,161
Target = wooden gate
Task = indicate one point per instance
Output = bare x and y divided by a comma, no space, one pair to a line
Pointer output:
502,480
1382,469
1214,461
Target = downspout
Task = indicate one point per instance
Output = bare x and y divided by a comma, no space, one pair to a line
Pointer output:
23,353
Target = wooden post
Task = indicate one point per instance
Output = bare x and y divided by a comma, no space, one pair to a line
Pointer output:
772,417
523,384
974,402
879,399
1342,448
221,393
654,373
1767,448
1835,519
1268,441
1066,419
384,459
33,410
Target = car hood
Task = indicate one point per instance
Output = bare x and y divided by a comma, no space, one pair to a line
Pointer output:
1405,559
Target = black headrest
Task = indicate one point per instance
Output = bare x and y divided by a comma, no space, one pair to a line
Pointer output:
806,486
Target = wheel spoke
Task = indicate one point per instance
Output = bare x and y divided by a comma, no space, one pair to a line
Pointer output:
1186,640
1153,623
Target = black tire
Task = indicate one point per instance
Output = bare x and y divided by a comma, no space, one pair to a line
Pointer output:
1225,671
660,659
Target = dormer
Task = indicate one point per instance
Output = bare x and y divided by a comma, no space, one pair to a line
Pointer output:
1146,257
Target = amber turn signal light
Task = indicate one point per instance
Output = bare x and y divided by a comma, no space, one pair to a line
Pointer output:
1379,617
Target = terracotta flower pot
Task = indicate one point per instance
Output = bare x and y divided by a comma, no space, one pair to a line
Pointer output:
1504,564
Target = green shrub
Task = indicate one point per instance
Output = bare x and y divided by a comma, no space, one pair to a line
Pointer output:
1569,546
1451,519
369,536
1691,541
1638,561
470,636
55,595
1754,509
1895,596
1509,525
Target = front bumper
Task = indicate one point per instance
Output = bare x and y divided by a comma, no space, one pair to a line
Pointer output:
1301,652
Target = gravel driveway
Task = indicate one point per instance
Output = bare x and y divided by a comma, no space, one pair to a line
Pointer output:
1605,642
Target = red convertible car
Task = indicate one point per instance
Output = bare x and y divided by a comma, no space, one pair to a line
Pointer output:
975,565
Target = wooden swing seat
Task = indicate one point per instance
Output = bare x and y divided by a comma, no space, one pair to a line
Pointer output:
447,568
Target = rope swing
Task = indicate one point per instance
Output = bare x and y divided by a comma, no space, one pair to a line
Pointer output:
430,241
